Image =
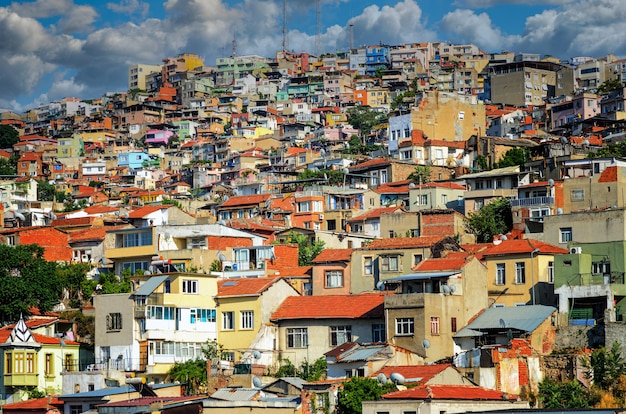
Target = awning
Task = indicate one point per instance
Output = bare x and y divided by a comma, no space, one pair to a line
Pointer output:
149,286
421,276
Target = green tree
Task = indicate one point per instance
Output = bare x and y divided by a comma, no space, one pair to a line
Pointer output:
365,119
27,281
307,251
72,278
420,175
568,394
45,191
609,85
106,283
213,350
307,371
8,136
493,219
605,367
192,372
514,156
8,166
614,149
330,177
399,100
356,390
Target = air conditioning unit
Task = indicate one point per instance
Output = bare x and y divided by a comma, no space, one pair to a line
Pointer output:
321,217
575,250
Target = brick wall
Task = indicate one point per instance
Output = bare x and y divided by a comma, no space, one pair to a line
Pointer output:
223,243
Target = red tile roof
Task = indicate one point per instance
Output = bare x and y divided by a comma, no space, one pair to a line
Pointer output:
144,211
609,175
525,246
100,210
91,234
333,255
35,405
290,271
404,242
375,213
146,401
412,372
442,264
367,305
246,200
450,392
244,286
370,163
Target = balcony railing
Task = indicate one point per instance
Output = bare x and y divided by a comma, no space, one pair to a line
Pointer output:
590,279
532,201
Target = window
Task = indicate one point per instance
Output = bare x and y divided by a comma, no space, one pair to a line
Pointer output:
334,278
48,368
297,338
417,258
500,274
340,334
453,324
601,268
565,235
190,286
479,203
378,332
161,312
247,320
228,321
202,315
550,272
520,273
577,194
114,321
137,239
434,325
390,264
368,265
76,409
405,326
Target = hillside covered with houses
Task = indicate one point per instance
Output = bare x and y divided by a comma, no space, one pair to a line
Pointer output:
445,223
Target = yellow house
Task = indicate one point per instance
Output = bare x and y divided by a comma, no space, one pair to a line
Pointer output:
31,360
244,307
521,272
98,135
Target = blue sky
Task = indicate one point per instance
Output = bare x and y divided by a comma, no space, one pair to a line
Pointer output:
51,49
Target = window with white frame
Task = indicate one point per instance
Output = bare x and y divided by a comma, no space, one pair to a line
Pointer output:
500,274
161,312
565,235
577,194
297,337
228,321
340,334
434,325
368,265
246,320
520,273
190,286
405,326
390,263
334,278
550,272
202,315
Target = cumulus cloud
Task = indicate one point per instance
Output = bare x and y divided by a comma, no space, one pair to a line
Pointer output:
72,18
465,26
481,4
130,7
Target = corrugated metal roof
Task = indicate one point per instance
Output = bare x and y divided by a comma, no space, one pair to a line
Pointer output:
149,286
523,318
235,394
361,354
421,275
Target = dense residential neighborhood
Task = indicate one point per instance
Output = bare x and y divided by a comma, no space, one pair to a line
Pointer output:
442,224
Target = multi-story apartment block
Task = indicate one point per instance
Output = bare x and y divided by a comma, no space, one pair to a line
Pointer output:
376,57
137,75
530,83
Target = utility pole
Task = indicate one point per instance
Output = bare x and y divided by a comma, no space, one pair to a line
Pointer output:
318,36
351,36
284,25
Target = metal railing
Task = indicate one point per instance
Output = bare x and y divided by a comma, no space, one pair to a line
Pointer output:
532,201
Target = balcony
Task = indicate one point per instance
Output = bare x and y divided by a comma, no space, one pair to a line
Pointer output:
21,380
302,194
590,279
532,201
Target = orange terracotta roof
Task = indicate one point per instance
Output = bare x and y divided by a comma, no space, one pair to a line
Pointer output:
367,305
375,213
450,392
525,246
92,234
244,286
5,333
333,255
441,264
609,175
403,242
144,211
45,404
424,372
369,163
245,200
290,271
100,209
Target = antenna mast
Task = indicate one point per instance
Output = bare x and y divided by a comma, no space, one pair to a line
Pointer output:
318,39
284,25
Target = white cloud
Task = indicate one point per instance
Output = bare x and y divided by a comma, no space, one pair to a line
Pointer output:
481,4
42,8
130,7
475,28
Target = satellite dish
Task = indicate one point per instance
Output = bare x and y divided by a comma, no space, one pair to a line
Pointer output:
397,378
559,210
446,289
380,285
256,382
502,323
382,378
564,140
426,343
221,222
412,185
346,170
503,237
221,257
256,354
452,289
586,142
551,182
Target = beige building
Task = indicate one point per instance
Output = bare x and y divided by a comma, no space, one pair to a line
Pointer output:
449,116
486,186
594,184
530,83
137,75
